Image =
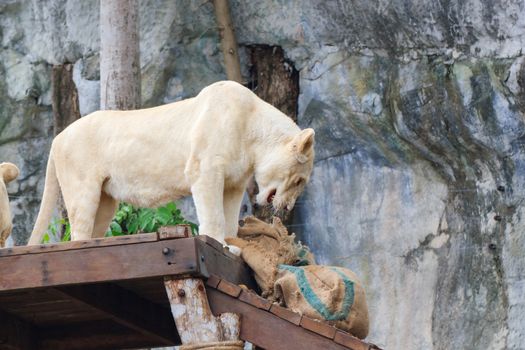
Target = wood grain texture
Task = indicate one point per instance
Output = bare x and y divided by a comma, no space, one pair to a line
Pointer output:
318,327
286,314
350,341
98,242
213,261
173,232
99,264
195,322
265,329
255,300
229,288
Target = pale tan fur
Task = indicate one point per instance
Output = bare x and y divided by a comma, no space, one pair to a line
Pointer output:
208,146
8,172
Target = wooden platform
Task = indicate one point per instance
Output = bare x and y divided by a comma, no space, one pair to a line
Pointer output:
109,294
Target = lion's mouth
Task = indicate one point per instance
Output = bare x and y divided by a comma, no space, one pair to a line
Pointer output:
271,196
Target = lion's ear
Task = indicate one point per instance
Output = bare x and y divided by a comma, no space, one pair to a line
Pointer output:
9,172
303,144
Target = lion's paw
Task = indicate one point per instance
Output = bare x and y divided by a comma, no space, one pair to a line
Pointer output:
234,250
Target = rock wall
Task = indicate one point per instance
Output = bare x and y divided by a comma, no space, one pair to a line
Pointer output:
418,107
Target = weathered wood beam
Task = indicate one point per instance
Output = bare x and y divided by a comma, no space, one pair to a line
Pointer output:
16,334
91,243
127,309
87,261
266,330
195,322
99,264
213,260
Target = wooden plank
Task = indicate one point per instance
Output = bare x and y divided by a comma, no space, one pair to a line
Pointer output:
255,300
174,232
286,314
15,334
127,309
98,335
228,267
265,329
213,281
99,264
212,242
98,242
229,288
350,341
318,327
217,246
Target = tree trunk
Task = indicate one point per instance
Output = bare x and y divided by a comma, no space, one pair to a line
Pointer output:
228,41
276,81
64,97
65,110
119,55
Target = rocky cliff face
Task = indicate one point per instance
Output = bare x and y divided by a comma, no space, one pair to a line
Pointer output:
418,107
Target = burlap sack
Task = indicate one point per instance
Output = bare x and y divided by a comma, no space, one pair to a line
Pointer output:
334,294
286,273
264,247
263,263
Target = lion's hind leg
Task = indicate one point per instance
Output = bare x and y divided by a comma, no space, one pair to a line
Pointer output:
105,213
82,202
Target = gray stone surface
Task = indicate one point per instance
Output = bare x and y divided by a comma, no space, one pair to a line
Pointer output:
418,108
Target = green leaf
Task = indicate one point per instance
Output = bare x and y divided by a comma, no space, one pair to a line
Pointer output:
164,215
133,224
171,206
151,226
145,218
115,228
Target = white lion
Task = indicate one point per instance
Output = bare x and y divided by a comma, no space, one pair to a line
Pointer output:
208,146
8,172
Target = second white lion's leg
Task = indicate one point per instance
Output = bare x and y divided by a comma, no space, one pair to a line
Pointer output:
207,192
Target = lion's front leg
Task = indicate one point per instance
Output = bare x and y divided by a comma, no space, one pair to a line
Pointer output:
207,194
232,207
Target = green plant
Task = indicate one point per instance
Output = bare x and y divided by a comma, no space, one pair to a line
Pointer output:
128,220
54,232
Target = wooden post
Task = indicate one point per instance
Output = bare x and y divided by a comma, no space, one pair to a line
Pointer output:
119,55
193,317
228,41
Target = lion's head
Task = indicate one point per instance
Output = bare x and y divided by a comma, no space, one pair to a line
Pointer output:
285,171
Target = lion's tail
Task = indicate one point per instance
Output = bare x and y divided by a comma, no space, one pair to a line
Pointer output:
47,206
